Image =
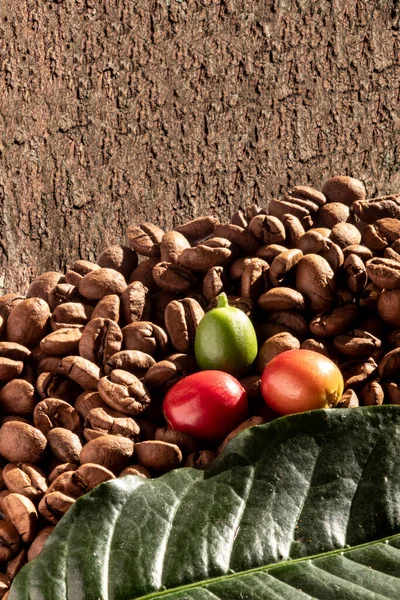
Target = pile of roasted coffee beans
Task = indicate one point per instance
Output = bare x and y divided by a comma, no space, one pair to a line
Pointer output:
86,357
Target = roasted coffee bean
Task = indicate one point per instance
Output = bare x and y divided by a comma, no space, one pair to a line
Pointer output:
17,397
145,336
173,277
102,282
7,303
86,401
26,479
251,422
137,470
63,293
316,346
283,267
54,505
119,258
292,320
279,208
185,443
64,444
214,283
57,385
106,421
201,459
82,371
372,210
100,339
145,239
124,392
372,394
333,213
335,322
39,541
20,442
273,346
53,412
303,192
281,298
357,344
68,485
144,274
349,399
268,253
181,320
381,234
198,229
83,267
107,308
391,392
242,238
113,452
345,234
22,514
43,284
311,242
70,315
239,218
14,351
293,230
356,273
167,372
60,469
255,278
28,322
315,280
343,189
10,541
14,566
10,369
389,367
359,250
135,303
356,373
369,296
61,342
133,361
267,229
172,245
388,308
384,272
89,475
157,455
244,304
202,257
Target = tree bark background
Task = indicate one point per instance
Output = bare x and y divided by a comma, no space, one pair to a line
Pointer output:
117,111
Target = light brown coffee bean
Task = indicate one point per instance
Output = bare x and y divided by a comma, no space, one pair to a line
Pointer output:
26,479
21,512
334,322
185,443
242,238
7,303
86,401
53,412
293,321
373,209
357,373
311,242
159,303
316,346
124,392
361,251
372,394
120,258
54,505
133,361
102,282
239,218
61,342
57,385
14,351
137,470
388,308
237,267
82,371
198,229
304,192
43,284
165,373
135,303
70,315
203,258
281,298
69,485
333,213
214,283
17,397
60,469
345,234
20,442
91,475
28,322
275,345
106,421
145,239
390,365
293,229
279,208
181,320
107,308
173,277
63,293
267,229
111,451
145,336
268,253
172,245
384,272
157,455
14,566
357,344
255,278
369,296
316,281
83,267
64,444
343,189
251,422
283,267
144,274
349,399
9,369
10,541
37,545
100,339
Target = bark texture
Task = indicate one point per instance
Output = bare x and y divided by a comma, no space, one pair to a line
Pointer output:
118,111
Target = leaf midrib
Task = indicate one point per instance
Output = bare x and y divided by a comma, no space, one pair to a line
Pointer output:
204,582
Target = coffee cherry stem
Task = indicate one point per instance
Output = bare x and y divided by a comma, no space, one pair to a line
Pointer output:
222,301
